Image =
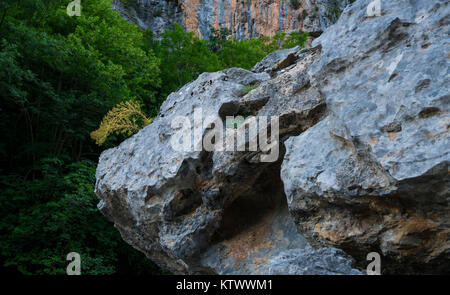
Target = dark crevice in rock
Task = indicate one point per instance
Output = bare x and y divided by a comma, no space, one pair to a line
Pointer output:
392,77
288,61
256,213
249,209
293,124
392,127
429,112
255,226
185,202
422,84
242,108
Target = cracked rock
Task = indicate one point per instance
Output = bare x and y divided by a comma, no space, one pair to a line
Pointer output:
362,165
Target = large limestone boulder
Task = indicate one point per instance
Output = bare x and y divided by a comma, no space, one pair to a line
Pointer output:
362,162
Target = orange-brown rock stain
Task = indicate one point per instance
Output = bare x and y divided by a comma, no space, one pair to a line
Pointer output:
189,9
251,240
265,14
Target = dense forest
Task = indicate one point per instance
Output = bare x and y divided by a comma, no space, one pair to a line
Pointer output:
60,76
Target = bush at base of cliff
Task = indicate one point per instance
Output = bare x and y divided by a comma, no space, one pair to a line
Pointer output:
45,219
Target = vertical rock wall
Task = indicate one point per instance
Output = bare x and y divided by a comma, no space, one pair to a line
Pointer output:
245,18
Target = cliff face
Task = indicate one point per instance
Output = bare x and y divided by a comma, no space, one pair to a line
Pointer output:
245,18
362,167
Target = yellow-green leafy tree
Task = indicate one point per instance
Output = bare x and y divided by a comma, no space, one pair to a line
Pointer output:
126,118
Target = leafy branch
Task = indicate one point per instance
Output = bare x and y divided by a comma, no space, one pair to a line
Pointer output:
126,118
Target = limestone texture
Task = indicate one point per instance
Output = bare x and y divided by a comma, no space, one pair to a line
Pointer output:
363,161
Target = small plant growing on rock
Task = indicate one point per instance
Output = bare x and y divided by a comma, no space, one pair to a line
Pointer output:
247,88
333,12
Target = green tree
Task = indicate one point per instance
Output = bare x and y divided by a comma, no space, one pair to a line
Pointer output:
218,38
184,58
46,218
243,53
295,39
58,77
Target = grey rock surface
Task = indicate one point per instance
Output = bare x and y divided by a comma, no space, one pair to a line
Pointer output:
324,261
362,166
374,174
274,61
320,14
156,15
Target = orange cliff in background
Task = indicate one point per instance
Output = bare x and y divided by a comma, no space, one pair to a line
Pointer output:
244,18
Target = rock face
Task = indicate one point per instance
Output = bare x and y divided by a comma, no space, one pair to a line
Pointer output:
325,261
362,166
156,15
373,175
245,19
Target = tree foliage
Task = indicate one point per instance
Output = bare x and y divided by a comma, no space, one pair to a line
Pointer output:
125,118
58,77
183,57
